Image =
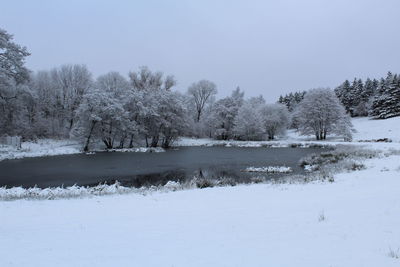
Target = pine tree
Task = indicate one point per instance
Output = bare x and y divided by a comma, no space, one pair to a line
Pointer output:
379,100
392,97
387,100
344,93
291,100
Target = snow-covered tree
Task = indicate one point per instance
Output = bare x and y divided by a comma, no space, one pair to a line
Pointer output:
345,94
114,83
174,117
386,103
14,111
71,82
201,93
275,119
365,96
164,114
89,115
223,114
320,113
291,100
248,123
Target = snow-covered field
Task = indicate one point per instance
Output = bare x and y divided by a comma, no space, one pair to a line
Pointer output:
377,129
353,221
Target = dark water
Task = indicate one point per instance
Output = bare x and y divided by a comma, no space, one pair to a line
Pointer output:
144,169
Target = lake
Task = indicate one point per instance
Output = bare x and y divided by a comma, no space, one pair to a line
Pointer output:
145,169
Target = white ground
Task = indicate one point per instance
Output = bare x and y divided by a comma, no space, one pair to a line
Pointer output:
52,147
376,129
351,222
42,147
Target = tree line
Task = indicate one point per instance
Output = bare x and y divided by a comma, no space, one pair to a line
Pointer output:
144,107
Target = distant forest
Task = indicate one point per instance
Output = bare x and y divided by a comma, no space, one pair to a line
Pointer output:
377,98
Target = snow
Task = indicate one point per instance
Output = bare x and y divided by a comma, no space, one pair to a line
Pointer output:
254,225
269,169
52,147
368,129
40,148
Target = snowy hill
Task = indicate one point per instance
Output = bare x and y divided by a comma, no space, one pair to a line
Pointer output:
368,129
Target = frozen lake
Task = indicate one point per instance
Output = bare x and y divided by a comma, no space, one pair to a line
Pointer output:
144,169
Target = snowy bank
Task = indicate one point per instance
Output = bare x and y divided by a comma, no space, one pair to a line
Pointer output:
40,148
184,141
52,147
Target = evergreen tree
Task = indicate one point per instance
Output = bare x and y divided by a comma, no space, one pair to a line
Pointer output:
291,100
343,92
387,100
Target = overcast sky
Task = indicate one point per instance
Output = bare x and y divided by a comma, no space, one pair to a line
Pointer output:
265,47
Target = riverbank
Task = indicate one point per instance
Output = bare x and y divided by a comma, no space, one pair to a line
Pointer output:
54,147
40,148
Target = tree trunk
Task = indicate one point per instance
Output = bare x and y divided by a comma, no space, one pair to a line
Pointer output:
166,142
131,141
86,148
154,141
108,142
198,115
71,123
122,142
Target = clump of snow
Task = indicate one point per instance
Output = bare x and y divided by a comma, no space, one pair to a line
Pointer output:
270,169
310,168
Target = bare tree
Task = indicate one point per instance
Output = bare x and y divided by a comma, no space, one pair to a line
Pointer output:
201,92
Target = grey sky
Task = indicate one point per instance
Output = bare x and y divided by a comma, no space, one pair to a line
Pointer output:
265,47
